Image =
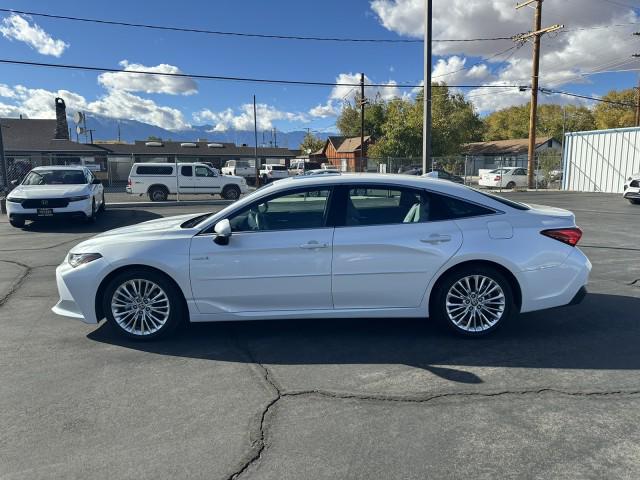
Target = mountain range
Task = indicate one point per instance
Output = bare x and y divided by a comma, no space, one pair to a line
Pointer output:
105,128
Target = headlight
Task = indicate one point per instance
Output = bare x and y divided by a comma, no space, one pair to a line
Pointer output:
77,259
79,199
15,199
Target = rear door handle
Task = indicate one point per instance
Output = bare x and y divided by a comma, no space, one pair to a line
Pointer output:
313,245
436,238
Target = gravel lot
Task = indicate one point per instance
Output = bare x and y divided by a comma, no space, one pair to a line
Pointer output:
554,394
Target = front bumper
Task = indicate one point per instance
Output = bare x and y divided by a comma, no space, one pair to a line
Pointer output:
81,209
632,192
77,288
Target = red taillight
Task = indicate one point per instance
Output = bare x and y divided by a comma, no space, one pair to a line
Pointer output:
570,236
129,181
498,177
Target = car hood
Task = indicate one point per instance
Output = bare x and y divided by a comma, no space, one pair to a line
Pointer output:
159,225
49,191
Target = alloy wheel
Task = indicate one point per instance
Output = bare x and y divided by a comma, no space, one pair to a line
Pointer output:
140,307
475,303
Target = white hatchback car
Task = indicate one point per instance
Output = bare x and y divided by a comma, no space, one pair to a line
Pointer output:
333,246
56,192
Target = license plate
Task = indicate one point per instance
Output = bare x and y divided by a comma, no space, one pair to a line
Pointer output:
45,212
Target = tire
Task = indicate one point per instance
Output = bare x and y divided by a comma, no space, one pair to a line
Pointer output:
17,222
94,212
103,205
634,201
158,194
453,300
511,185
231,192
146,323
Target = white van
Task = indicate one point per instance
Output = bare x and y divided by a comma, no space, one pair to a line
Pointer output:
158,180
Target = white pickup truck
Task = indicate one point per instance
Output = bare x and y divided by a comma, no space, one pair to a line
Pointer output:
240,168
269,173
159,180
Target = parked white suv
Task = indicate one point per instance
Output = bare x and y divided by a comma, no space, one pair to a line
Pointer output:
632,189
269,173
158,180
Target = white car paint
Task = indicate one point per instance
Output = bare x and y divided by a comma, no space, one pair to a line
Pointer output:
341,271
632,189
44,194
506,177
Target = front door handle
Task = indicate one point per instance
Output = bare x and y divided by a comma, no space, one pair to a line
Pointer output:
436,238
313,245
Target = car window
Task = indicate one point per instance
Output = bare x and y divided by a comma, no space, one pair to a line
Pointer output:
204,172
289,211
186,171
383,206
444,207
154,170
519,171
55,177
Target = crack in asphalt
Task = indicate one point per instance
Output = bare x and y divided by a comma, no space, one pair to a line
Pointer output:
17,283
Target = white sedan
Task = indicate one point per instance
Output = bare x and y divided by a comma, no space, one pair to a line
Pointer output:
507,177
632,189
56,192
335,246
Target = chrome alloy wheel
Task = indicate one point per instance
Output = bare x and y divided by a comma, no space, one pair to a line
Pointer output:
475,303
140,307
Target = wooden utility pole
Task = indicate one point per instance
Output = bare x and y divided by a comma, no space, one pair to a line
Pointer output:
537,32
426,116
363,102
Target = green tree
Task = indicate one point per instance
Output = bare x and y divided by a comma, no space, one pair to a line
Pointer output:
153,138
608,115
348,122
311,143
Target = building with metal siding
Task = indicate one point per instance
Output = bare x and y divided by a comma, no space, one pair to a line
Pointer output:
600,160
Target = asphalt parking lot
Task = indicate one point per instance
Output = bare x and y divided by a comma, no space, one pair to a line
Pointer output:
553,394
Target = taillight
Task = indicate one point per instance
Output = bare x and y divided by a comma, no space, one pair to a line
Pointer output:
498,177
129,181
570,236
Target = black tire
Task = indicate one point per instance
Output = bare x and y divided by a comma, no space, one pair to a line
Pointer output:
511,185
231,192
103,205
634,201
94,212
17,222
177,312
158,194
479,327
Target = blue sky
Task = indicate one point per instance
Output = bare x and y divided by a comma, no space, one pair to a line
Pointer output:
567,57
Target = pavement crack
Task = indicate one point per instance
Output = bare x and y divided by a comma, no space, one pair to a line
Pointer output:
16,283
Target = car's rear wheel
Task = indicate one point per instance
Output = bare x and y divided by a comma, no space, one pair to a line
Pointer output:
511,185
634,201
158,194
473,301
17,222
231,192
143,305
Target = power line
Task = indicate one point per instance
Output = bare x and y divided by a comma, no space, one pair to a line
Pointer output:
229,78
620,4
468,67
586,97
244,34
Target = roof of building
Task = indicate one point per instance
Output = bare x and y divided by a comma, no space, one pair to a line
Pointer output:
515,146
197,149
344,144
36,135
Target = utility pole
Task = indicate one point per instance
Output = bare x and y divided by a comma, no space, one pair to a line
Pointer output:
363,102
255,148
537,32
638,103
426,120
3,165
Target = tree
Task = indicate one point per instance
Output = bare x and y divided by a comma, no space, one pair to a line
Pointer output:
349,122
153,138
608,115
311,143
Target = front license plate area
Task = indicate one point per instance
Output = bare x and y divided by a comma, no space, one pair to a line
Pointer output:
45,212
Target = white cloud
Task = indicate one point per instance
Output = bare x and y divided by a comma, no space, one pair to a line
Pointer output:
148,83
565,56
39,103
243,119
348,92
15,27
329,109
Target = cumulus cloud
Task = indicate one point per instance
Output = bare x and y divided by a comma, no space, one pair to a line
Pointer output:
342,93
566,56
38,103
15,27
329,109
243,118
148,83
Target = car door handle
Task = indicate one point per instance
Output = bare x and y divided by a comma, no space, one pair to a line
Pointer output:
436,238
313,245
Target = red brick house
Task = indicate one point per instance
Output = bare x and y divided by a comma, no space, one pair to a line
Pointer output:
345,153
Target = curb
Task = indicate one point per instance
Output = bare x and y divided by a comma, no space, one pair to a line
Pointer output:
184,203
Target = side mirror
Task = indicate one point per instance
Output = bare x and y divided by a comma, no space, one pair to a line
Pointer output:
97,181
223,232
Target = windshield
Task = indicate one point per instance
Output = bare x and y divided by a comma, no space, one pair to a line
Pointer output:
55,177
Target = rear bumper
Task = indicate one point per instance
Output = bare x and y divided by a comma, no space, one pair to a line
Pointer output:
578,297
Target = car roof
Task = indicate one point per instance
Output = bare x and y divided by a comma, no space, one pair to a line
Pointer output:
61,167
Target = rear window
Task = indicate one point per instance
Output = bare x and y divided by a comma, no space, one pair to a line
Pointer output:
504,201
154,170
449,208
277,167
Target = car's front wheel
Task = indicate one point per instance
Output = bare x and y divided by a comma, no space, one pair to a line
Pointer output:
94,213
473,301
17,222
143,304
634,201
